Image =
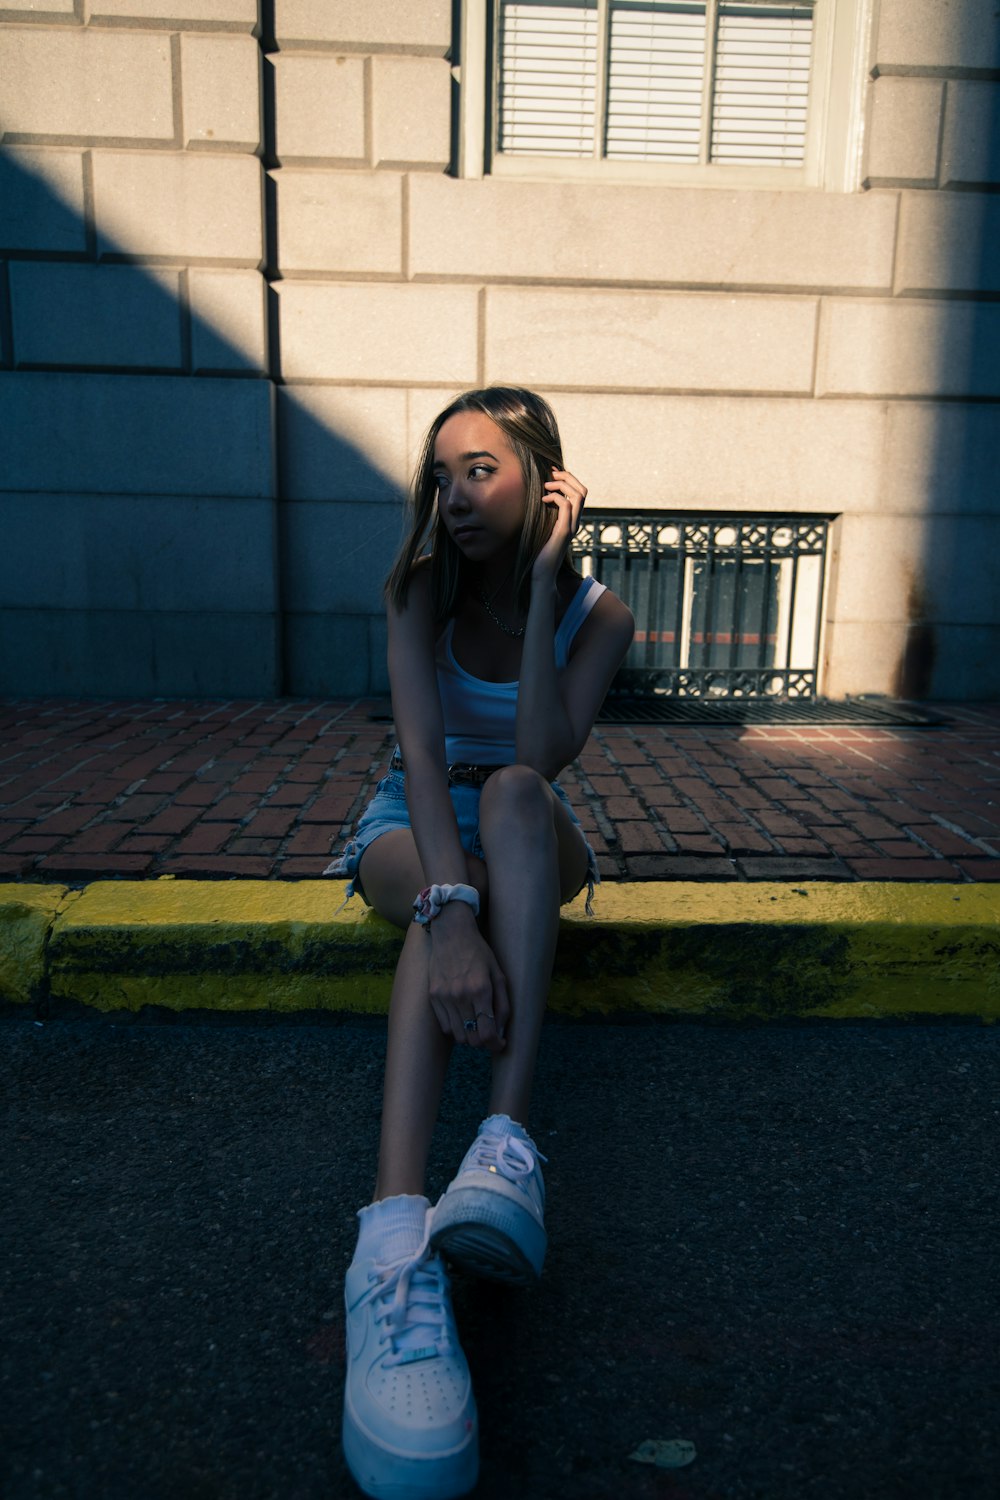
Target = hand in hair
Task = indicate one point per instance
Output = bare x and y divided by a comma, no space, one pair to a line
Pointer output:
567,495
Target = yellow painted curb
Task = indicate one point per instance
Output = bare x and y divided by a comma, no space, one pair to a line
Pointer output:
27,913
236,945
771,950
677,949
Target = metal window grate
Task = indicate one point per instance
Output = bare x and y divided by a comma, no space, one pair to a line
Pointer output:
726,606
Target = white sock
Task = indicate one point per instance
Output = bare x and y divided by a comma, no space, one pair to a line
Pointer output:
392,1228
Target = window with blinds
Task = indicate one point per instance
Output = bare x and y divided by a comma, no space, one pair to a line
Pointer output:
670,81
548,79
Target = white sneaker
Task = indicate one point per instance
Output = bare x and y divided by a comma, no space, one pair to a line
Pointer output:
491,1219
410,1430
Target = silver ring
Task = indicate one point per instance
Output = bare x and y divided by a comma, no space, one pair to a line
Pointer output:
487,1013
472,1025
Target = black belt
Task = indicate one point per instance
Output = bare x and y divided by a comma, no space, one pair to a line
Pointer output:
459,774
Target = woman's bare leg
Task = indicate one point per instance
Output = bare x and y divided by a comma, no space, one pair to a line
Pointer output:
418,1050
415,1066
538,859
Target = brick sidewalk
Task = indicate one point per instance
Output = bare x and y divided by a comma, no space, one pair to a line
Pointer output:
222,789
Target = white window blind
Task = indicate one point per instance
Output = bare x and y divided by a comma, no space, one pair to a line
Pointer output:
676,81
761,84
656,80
548,79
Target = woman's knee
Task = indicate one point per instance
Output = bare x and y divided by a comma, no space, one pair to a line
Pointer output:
513,790
520,806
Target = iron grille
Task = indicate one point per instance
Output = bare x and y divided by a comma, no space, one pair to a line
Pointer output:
726,606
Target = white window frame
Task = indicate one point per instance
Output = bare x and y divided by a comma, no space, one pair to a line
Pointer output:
841,54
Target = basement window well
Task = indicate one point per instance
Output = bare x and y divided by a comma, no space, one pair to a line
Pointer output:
726,606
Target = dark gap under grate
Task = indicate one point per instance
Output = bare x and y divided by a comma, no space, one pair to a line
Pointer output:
661,708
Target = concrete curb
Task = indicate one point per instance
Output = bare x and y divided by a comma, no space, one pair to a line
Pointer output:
761,950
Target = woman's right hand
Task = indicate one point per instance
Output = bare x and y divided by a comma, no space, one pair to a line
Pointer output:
465,981
567,495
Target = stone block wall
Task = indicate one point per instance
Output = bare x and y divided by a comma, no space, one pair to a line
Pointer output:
139,498
362,99
240,279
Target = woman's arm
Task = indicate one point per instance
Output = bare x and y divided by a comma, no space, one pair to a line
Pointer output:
465,978
555,713
416,706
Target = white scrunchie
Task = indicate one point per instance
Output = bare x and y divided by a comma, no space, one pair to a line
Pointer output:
430,901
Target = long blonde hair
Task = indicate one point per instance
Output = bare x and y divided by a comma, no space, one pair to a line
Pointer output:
529,425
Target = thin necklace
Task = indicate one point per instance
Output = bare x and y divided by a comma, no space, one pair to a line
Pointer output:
517,634
496,592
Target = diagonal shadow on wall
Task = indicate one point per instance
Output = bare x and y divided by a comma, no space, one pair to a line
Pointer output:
949,263
176,520
951,241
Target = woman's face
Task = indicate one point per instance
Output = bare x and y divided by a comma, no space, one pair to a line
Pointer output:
481,499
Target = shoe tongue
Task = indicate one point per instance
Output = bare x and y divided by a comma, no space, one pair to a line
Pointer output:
417,1335
411,1295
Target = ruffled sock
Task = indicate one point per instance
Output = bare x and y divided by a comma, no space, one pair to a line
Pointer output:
504,1125
392,1228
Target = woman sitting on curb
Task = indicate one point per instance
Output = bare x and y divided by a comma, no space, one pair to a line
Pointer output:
500,655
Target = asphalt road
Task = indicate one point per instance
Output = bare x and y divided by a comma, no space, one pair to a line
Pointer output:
776,1242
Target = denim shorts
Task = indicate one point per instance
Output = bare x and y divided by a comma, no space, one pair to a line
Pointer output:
388,810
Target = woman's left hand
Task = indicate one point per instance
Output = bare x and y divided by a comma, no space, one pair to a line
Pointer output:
567,494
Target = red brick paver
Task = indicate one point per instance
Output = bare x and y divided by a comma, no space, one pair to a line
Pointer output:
92,789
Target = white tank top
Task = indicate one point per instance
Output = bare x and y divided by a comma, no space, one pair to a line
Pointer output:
479,716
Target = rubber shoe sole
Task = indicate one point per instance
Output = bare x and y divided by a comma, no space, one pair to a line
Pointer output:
386,1474
488,1236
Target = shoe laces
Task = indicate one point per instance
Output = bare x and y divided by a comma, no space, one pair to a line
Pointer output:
411,1306
509,1155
